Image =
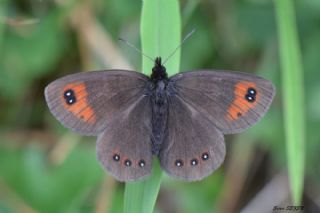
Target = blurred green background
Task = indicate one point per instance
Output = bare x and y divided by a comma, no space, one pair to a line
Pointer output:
46,168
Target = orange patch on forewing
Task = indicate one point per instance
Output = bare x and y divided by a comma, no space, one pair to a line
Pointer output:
81,108
240,106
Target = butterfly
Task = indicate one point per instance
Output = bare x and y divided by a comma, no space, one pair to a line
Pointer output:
180,119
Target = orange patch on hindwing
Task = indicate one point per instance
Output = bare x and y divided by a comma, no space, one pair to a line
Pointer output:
246,97
74,97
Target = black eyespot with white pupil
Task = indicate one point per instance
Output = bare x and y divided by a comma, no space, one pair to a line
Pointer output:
205,156
251,95
250,98
252,91
127,162
142,163
69,97
116,157
178,163
194,162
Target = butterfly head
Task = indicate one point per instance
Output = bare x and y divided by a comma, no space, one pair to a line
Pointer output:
158,71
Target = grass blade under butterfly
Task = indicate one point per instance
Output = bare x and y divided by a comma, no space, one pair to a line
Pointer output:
293,93
160,35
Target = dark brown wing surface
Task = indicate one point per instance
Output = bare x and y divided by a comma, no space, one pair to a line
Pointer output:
193,147
124,148
232,101
87,102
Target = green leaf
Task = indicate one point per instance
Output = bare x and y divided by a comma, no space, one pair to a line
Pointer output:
160,35
293,92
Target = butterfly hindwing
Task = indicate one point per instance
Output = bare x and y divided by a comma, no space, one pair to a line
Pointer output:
87,102
193,147
124,148
233,101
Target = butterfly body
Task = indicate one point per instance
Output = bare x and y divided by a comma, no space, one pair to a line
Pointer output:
181,119
159,103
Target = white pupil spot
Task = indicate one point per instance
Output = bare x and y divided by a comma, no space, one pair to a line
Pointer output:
179,163
116,157
205,156
127,163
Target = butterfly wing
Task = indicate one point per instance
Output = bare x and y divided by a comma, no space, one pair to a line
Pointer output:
124,148
87,102
232,101
193,147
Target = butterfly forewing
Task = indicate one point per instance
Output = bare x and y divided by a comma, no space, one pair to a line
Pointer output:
193,147
87,102
233,101
124,148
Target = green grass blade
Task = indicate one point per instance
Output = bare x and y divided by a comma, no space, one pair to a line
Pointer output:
141,196
3,14
160,35
293,94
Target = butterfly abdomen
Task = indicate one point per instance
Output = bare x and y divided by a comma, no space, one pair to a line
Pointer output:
159,115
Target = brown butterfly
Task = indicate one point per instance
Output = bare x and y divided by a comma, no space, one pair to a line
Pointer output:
181,119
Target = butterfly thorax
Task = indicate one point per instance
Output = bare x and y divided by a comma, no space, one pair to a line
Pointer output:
158,71
159,80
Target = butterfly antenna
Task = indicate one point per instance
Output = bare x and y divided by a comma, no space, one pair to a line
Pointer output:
178,47
135,48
